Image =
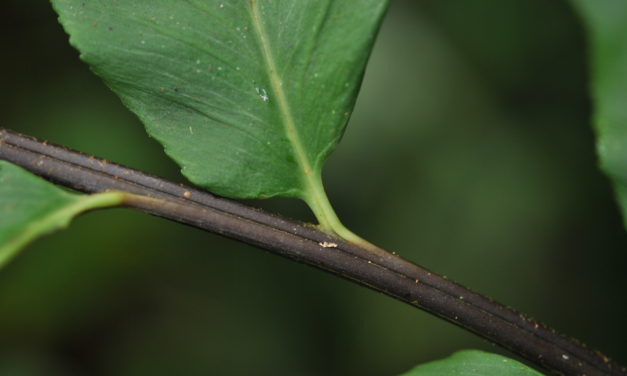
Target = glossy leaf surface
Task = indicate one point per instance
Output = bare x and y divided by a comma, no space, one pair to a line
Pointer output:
249,97
606,22
473,363
31,207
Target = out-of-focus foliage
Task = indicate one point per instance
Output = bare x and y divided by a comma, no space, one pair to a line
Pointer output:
31,207
473,363
470,152
606,22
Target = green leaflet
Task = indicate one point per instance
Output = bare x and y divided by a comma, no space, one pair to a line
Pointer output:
606,22
249,97
473,363
31,207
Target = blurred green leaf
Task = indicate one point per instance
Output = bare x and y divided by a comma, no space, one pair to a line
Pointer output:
31,207
248,97
606,22
473,363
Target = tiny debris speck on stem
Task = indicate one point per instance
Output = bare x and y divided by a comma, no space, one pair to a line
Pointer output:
328,245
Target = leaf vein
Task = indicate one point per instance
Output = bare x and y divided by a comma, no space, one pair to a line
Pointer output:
281,98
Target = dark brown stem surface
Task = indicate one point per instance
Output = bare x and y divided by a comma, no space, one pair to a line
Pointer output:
381,271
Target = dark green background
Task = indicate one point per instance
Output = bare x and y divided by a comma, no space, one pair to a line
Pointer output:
470,152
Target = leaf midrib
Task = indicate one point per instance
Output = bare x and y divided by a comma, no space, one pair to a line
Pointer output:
57,218
281,99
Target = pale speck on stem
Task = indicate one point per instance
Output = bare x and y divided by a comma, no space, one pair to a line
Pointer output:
328,245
